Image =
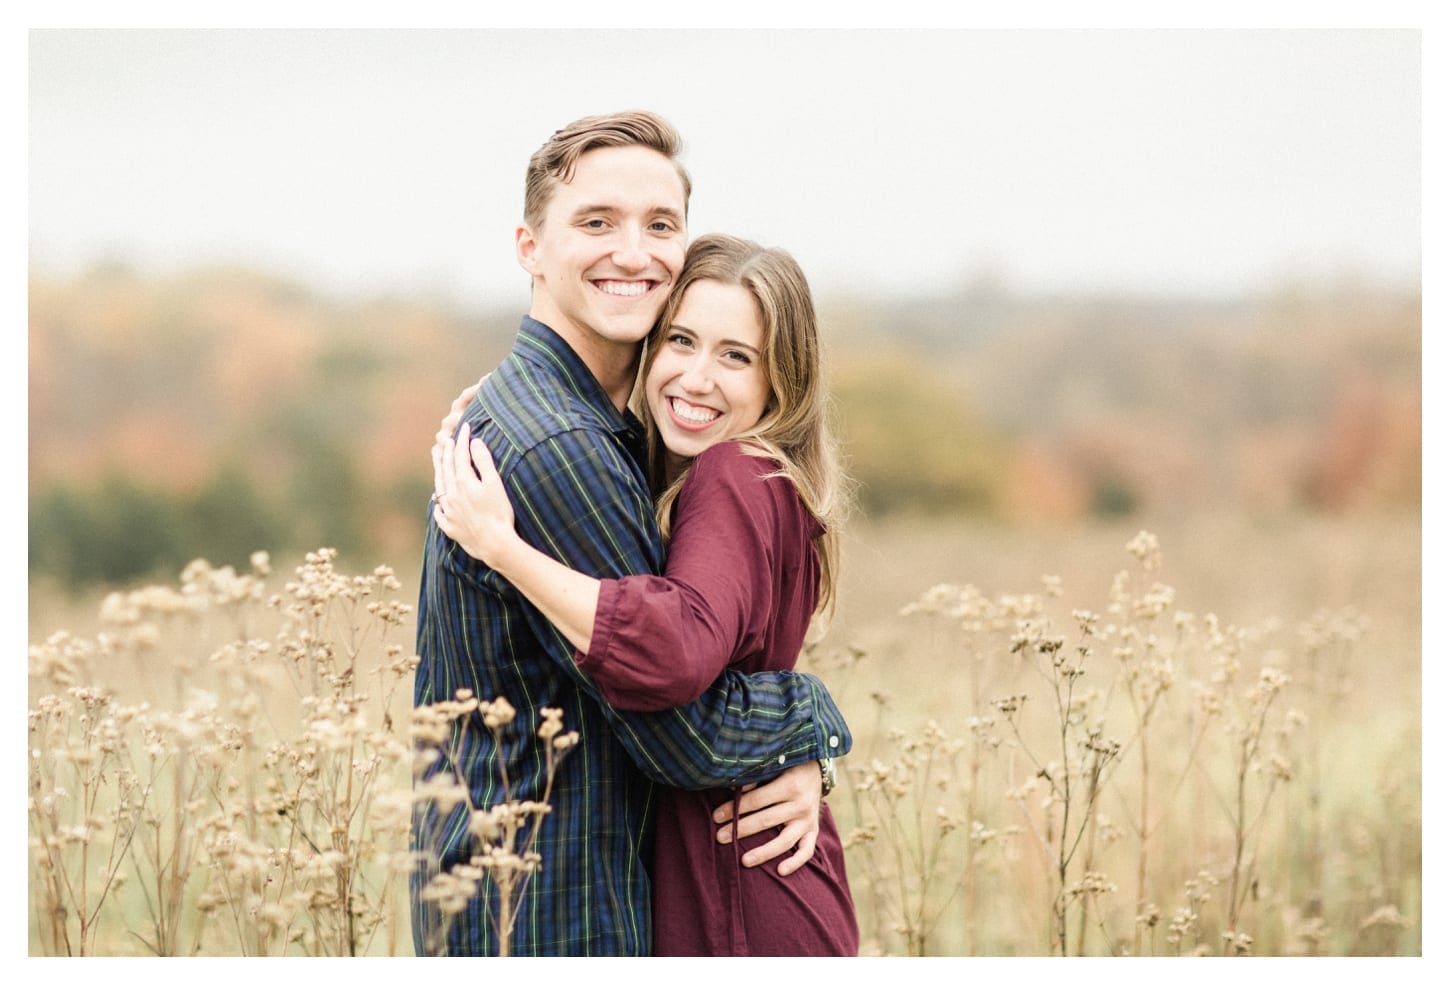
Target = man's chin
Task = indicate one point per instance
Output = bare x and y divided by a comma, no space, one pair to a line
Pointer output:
633,330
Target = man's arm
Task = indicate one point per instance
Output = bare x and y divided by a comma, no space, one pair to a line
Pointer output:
576,498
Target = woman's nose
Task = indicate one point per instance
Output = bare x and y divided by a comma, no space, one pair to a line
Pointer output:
696,378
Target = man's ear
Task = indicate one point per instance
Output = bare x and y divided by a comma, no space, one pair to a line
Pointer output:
525,247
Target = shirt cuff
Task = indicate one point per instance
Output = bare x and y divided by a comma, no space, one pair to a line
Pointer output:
833,737
606,621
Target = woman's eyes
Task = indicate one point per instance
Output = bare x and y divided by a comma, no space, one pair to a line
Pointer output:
681,341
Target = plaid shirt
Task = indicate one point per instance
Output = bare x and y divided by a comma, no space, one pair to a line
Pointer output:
573,465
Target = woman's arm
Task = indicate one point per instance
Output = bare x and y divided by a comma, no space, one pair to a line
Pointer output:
473,509
651,643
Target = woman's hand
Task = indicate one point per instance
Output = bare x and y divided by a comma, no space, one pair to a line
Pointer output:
443,438
791,801
471,505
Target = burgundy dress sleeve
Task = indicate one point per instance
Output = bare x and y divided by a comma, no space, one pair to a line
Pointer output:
740,542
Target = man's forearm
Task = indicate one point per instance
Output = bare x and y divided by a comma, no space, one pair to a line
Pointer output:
744,729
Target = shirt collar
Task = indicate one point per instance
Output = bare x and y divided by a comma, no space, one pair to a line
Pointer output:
539,344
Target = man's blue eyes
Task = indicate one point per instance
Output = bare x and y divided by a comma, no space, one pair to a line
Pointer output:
659,227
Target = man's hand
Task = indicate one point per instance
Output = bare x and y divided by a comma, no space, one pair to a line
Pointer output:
791,801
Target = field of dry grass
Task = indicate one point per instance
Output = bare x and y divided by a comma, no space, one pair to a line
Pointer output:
1217,751
1068,741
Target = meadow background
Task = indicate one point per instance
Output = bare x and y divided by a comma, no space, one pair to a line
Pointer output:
1008,449
1130,631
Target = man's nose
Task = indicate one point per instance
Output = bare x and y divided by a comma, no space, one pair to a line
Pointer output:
630,253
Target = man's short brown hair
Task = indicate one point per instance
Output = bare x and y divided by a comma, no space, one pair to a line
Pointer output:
554,162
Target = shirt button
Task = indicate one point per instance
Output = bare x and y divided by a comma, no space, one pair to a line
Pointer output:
781,760
835,742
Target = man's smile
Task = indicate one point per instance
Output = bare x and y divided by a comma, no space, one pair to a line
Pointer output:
625,288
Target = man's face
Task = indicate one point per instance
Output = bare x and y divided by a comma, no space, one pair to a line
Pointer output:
609,248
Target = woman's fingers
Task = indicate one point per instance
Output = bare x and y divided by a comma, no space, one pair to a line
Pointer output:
459,405
455,461
483,464
436,453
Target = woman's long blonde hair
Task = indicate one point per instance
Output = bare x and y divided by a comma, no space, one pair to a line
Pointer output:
795,429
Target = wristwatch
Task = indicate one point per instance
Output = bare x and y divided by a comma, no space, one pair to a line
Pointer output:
828,775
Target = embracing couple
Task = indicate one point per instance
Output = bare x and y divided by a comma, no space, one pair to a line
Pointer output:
652,574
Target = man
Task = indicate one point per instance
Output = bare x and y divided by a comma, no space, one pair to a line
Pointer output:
603,240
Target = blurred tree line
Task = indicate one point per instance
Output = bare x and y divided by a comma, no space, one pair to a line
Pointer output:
227,411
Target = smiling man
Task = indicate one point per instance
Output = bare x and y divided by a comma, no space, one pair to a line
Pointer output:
603,239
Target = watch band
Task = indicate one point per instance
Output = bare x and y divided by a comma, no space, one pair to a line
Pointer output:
828,775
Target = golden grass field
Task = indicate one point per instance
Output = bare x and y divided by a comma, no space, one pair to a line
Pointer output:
1216,752
1331,854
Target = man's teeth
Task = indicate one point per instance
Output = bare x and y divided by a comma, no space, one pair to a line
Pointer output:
695,415
624,288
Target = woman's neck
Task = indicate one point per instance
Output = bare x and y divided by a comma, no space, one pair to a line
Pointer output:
674,466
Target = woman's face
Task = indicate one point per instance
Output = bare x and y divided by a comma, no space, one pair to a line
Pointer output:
707,382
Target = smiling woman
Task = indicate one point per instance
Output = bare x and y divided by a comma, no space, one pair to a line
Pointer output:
706,376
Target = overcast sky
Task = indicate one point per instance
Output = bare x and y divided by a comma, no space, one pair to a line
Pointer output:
1198,161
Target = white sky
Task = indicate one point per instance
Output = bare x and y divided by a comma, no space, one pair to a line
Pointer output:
1202,161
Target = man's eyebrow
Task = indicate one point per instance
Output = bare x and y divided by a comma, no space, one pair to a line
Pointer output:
669,212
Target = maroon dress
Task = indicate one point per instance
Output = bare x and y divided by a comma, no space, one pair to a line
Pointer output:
739,590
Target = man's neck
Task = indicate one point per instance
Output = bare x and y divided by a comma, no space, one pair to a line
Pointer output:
614,364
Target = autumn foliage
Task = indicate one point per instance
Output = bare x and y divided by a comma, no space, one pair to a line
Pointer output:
225,410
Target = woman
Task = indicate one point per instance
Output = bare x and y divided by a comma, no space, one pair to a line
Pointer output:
750,494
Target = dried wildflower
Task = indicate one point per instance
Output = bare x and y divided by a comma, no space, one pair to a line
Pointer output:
1010,705
1239,943
936,600
1144,546
498,713
553,723
1092,883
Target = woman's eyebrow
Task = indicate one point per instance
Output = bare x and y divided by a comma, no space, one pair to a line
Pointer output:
735,344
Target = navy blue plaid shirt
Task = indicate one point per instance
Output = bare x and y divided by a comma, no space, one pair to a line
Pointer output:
573,466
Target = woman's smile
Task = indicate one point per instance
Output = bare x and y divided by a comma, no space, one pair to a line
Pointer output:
692,415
